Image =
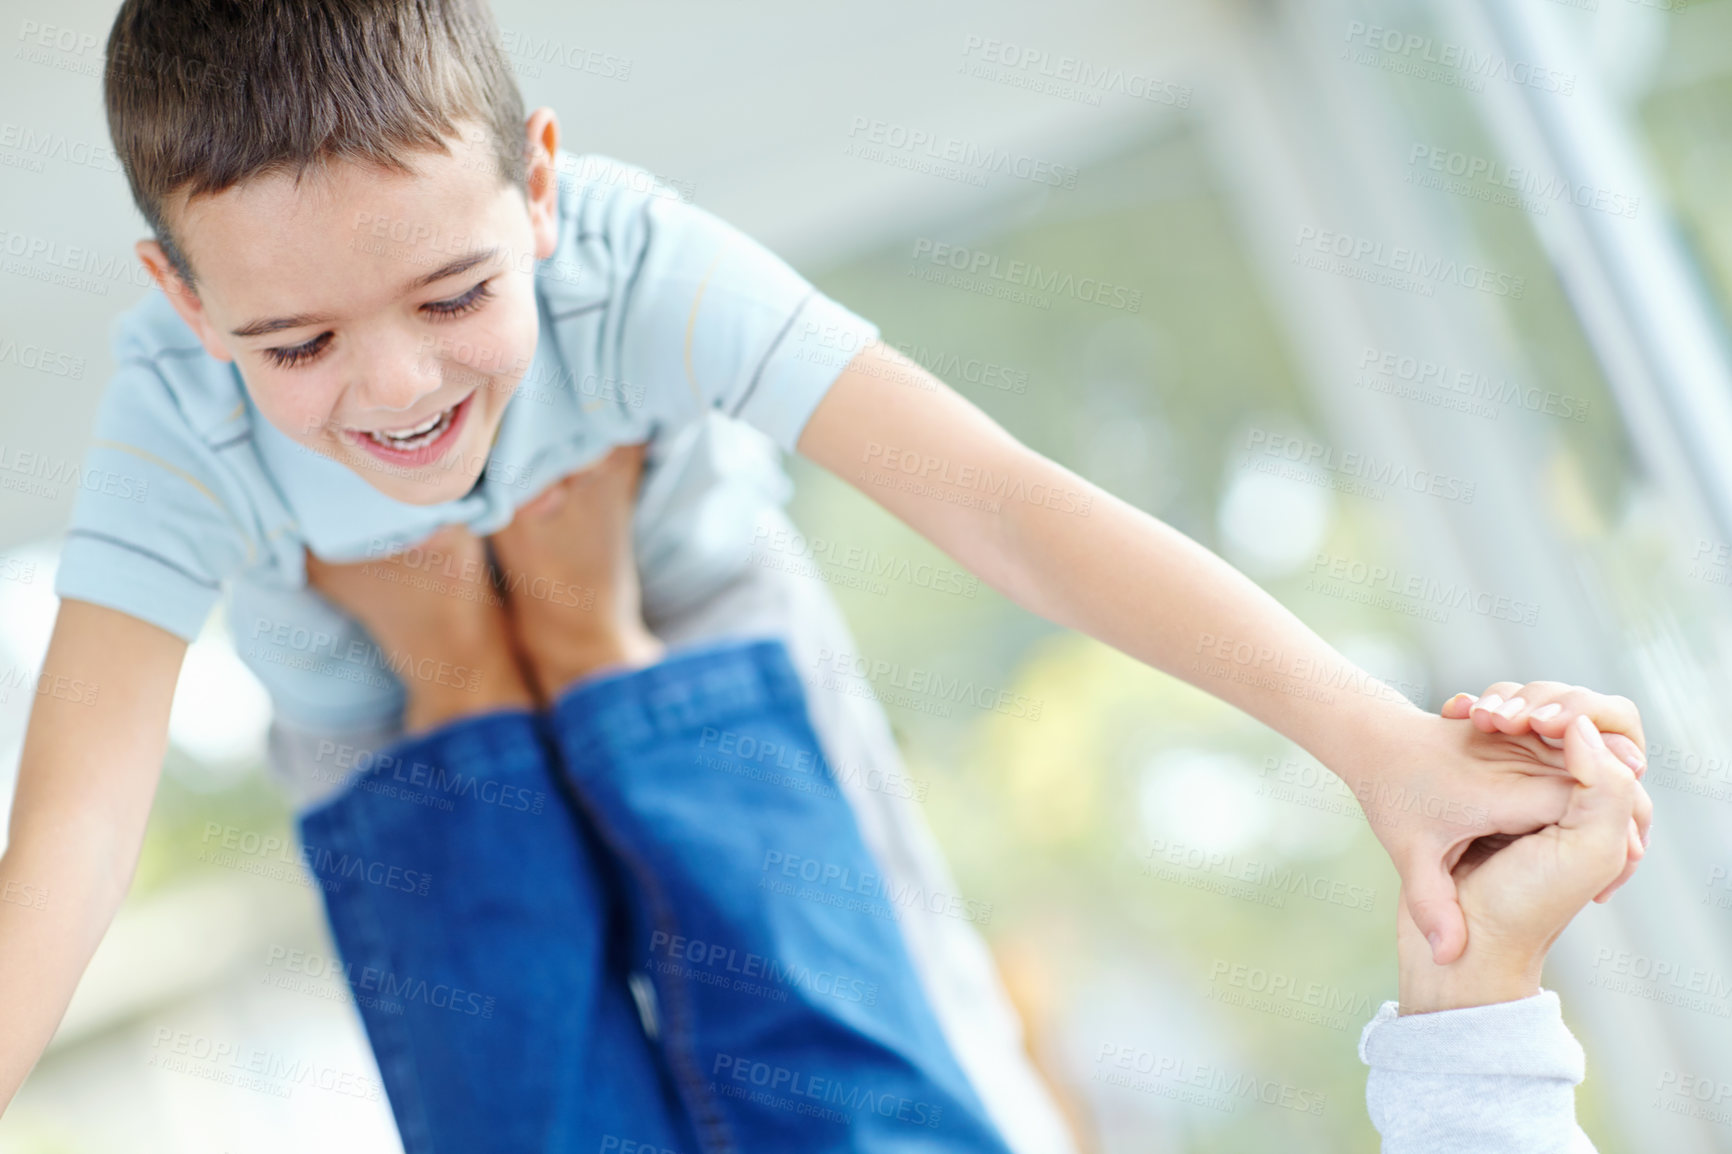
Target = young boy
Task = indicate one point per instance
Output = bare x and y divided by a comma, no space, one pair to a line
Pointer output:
366,250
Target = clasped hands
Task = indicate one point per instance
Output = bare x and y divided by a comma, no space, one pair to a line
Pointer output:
1504,816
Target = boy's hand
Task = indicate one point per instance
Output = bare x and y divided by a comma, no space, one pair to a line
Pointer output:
1518,893
1547,708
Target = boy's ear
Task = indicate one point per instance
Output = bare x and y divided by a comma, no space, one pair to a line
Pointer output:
183,298
541,179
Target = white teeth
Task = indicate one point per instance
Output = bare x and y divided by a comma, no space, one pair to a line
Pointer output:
416,431
409,439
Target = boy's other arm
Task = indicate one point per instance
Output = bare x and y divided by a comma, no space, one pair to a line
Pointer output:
1063,548
92,756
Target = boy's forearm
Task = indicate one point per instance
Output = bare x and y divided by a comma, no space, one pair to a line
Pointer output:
86,778
1160,597
1067,550
57,897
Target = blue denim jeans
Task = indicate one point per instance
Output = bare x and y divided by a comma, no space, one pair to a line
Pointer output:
678,822
481,944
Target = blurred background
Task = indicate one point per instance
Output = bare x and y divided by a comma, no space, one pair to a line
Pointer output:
1483,243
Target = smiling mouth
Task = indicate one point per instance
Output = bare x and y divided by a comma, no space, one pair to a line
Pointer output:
410,438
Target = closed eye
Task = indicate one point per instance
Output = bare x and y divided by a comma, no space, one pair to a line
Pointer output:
299,354
467,303
296,355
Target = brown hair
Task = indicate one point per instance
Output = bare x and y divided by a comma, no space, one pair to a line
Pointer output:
205,94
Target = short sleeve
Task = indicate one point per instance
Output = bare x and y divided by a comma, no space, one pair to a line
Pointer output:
748,336
155,529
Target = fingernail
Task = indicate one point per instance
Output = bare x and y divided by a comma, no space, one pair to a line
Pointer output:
1512,707
1490,701
1590,733
1546,712
1648,834
1633,758
1436,940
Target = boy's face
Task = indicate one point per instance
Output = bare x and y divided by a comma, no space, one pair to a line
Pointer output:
380,319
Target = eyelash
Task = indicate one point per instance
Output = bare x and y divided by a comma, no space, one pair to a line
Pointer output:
467,303
444,310
289,358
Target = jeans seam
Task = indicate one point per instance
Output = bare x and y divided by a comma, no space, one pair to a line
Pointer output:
413,1127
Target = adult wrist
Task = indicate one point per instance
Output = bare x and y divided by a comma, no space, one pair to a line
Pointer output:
1425,988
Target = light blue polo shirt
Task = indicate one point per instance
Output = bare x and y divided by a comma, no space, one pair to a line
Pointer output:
659,323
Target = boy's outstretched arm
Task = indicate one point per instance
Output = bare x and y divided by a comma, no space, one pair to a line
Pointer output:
92,756
1061,547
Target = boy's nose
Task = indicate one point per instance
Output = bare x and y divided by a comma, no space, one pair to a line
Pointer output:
397,376
398,392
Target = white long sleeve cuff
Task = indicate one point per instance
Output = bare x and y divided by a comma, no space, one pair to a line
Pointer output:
1496,1079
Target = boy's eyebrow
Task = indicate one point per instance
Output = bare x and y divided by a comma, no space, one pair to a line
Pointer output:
450,268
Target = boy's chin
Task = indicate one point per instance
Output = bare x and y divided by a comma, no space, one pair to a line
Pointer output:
432,484
448,488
